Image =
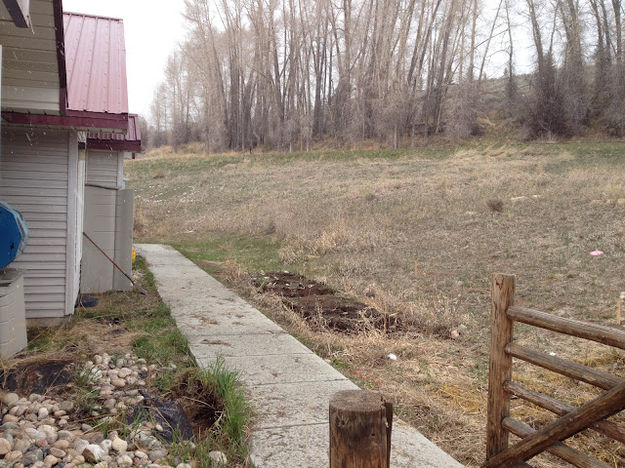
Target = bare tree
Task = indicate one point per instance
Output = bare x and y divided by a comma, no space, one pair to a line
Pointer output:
285,73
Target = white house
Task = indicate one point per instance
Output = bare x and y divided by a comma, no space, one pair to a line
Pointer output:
62,77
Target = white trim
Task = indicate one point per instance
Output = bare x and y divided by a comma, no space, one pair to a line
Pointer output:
80,197
120,170
70,250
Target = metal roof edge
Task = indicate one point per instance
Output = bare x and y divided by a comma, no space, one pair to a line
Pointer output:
94,121
114,145
89,15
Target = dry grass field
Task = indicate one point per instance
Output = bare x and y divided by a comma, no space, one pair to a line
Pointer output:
416,234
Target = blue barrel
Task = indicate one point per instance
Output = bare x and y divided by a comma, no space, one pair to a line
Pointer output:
13,234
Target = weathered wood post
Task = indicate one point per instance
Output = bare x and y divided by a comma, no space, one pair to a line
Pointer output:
360,430
500,365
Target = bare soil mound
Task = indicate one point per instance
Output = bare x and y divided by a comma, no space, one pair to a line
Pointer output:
322,307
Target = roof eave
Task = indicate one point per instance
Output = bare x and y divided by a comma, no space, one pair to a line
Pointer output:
114,145
91,121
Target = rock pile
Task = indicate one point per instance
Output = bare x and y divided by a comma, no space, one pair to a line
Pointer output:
39,431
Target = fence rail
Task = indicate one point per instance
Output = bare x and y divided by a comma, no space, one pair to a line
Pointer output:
569,420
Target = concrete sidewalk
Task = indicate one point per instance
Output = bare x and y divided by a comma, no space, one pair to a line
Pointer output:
289,386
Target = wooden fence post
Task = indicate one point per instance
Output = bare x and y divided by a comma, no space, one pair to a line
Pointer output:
360,430
500,365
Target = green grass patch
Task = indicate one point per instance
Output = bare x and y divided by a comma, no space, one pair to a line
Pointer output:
251,253
176,164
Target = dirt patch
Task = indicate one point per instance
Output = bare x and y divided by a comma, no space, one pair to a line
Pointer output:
199,401
40,377
170,414
290,285
322,307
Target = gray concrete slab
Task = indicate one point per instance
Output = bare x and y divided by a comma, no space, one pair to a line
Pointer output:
219,322
289,385
296,404
291,446
306,446
290,368
250,345
410,448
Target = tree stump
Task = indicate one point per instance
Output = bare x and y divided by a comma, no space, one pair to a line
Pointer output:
360,430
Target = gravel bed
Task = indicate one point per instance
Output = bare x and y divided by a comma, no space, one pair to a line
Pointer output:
40,431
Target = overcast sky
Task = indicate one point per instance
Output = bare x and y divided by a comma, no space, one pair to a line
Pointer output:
154,28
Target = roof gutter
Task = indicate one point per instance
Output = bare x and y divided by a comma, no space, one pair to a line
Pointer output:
60,53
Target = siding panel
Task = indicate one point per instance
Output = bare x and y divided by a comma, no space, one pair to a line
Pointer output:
33,178
103,169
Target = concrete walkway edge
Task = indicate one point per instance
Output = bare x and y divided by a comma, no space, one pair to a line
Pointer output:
289,386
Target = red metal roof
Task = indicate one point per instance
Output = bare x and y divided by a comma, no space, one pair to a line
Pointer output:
95,53
131,141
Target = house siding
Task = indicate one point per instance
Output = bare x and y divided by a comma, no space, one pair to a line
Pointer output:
30,81
103,169
34,178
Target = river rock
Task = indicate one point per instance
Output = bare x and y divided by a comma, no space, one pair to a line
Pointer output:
33,457
106,445
93,453
61,444
34,434
50,460
157,454
21,445
10,418
10,399
119,383
66,406
58,453
124,460
218,457
65,435
119,445
5,446
13,456
81,445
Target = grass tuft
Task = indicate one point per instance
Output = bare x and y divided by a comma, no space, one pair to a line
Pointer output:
215,394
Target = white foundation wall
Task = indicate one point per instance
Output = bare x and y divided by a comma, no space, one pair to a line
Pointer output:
38,176
108,220
99,218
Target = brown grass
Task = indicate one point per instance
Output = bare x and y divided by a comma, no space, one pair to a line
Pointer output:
414,234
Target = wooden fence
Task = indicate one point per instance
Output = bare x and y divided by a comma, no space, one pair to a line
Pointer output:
569,420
